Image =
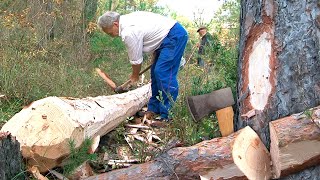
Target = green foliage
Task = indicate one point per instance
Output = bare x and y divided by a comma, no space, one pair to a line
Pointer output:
78,156
308,113
43,53
9,107
53,54
226,22
186,129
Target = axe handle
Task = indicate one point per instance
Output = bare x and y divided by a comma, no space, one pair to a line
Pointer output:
129,81
106,78
225,120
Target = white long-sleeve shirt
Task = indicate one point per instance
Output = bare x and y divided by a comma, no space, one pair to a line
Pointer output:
143,32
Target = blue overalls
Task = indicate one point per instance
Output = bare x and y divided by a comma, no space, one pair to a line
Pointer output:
165,69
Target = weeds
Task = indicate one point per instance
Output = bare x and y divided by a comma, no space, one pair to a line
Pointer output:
308,114
78,156
8,107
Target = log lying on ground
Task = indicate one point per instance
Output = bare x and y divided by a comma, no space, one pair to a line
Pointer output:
240,155
295,144
45,127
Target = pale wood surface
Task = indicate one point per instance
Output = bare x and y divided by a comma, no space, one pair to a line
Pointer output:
225,120
295,144
46,126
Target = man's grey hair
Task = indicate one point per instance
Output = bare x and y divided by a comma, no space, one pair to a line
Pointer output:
107,19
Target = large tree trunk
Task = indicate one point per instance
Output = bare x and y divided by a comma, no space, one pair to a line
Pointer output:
279,61
45,127
240,155
10,157
295,143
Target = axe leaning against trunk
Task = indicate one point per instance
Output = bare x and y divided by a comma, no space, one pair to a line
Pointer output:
219,101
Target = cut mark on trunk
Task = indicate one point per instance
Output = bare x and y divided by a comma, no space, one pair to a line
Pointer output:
259,72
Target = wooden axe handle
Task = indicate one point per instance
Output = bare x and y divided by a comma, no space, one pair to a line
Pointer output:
106,78
225,120
141,72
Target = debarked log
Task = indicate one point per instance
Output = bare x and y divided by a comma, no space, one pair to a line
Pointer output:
240,155
45,127
295,143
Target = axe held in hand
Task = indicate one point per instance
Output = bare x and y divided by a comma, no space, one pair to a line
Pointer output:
122,88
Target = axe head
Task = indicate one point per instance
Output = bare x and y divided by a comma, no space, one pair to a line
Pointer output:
120,90
202,105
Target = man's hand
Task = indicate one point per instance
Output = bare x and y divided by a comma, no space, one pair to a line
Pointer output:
134,78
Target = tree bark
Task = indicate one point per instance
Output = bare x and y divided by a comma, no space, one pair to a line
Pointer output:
45,127
10,157
241,155
295,144
278,61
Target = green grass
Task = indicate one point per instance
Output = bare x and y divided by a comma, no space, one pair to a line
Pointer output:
9,107
78,156
65,68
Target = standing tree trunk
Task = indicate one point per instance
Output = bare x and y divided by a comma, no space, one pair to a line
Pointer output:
10,157
278,61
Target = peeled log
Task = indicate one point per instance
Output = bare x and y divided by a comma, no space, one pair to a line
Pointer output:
46,126
240,155
295,144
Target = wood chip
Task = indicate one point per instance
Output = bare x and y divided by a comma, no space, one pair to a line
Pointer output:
58,175
119,164
124,161
249,114
137,126
126,137
36,173
140,138
95,144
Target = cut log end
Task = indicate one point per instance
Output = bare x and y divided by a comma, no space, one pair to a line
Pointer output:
294,145
251,156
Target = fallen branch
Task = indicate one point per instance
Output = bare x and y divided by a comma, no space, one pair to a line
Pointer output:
140,126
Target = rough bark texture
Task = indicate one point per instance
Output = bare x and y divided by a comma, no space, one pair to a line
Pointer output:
10,157
233,157
295,144
312,173
279,61
45,127
285,35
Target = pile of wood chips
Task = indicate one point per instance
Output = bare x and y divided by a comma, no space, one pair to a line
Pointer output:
138,131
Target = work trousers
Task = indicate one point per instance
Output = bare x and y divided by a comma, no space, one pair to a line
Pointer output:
164,83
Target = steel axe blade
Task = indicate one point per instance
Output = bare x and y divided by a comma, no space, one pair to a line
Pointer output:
202,105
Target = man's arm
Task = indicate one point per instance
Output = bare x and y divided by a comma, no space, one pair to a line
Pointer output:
135,72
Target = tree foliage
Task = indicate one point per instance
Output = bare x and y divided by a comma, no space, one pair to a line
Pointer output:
50,48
